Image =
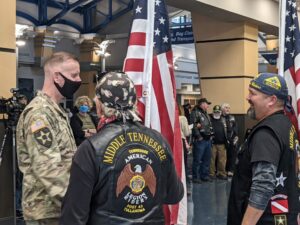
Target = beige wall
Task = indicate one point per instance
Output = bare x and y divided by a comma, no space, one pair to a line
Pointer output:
7,46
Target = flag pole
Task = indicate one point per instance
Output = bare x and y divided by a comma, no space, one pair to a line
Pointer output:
147,85
282,16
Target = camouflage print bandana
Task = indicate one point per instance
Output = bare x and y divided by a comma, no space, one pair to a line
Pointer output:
116,90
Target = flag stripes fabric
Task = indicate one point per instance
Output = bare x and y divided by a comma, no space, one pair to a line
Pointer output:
163,111
292,59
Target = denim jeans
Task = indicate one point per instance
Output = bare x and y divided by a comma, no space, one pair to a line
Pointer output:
201,159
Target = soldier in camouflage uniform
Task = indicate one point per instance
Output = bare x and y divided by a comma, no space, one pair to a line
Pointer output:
45,143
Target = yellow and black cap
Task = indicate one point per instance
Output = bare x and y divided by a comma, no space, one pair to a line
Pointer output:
270,84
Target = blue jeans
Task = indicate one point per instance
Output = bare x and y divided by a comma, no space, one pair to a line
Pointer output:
201,159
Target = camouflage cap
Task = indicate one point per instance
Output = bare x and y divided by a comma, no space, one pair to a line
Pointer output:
116,90
217,109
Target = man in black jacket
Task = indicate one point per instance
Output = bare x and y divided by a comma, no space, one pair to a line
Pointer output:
125,173
202,133
266,184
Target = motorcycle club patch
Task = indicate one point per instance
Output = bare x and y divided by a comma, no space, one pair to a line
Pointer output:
135,183
42,133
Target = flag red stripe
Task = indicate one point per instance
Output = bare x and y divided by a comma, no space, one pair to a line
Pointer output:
136,65
137,38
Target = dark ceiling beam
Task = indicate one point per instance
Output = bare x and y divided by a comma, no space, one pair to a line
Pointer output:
110,18
68,8
28,17
43,14
71,24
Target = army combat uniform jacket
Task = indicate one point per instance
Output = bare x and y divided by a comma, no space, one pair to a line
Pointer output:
45,147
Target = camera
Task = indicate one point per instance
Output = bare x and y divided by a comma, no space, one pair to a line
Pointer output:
13,106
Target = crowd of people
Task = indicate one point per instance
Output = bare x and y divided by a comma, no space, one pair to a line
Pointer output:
102,166
213,140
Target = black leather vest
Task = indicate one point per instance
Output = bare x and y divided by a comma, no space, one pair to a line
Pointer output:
133,164
286,195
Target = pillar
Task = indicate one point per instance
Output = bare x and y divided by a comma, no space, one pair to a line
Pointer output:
227,56
7,47
8,80
88,56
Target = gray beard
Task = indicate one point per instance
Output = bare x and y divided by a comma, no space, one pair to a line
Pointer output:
251,113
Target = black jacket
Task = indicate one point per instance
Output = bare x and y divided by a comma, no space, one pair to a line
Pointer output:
287,191
200,116
122,175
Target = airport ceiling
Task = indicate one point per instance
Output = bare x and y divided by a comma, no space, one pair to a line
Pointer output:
106,16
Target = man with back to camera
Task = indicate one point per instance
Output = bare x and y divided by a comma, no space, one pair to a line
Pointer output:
265,186
125,173
45,143
202,132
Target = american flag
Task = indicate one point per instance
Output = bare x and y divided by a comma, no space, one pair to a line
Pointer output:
149,63
292,59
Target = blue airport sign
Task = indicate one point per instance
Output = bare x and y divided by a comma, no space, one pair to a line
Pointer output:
182,35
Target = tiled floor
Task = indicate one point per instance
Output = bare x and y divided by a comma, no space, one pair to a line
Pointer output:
207,204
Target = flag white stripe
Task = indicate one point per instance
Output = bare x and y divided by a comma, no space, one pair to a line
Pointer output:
167,86
139,25
136,52
297,62
291,88
183,203
155,118
136,77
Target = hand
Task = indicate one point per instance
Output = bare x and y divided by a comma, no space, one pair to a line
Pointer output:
92,131
199,125
89,132
235,140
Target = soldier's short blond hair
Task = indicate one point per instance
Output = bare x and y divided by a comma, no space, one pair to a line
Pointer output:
83,99
59,58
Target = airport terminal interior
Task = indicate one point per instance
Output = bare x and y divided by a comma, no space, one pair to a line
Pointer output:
218,47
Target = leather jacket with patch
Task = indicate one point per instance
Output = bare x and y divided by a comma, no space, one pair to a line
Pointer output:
135,175
200,116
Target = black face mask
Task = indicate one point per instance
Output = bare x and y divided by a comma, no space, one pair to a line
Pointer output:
69,87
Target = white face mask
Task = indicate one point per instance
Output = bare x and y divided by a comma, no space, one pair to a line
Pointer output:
217,115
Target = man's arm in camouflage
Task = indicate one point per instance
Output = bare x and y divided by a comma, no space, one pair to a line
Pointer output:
45,154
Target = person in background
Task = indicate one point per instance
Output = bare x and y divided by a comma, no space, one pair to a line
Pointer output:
265,186
45,142
82,123
187,109
125,173
219,145
232,136
185,133
202,134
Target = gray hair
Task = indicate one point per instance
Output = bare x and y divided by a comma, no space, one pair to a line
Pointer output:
224,105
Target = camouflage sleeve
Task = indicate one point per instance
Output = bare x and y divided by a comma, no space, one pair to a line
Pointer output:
43,148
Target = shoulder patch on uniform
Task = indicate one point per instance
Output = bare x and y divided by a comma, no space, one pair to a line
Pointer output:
37,125
44,137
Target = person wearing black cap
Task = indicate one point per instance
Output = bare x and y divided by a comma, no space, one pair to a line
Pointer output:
265,185
202,133
125,173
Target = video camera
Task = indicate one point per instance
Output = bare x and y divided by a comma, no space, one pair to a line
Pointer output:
12,106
